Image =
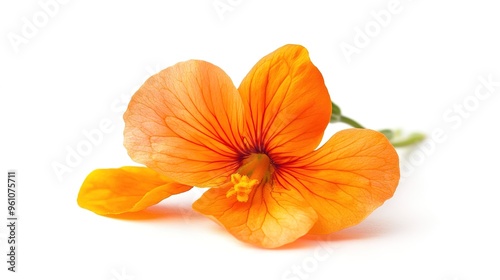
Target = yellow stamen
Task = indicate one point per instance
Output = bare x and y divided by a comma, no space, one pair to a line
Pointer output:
255,170
242,187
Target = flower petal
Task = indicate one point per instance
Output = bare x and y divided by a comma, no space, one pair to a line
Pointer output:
186,123
346,179
125,189
287,105
270,218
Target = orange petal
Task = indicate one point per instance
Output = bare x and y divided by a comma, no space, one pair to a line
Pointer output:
125,189
186,123
346,179
270,218
287,105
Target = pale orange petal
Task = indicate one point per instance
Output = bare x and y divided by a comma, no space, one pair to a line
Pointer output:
186,122
287,105
346,179
125,189
270,218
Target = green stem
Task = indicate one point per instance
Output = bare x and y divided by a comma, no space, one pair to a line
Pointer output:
350,122
412,139
392,135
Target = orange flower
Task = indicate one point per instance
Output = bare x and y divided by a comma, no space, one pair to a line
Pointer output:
254,146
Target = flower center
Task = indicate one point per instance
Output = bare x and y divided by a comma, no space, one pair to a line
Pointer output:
256,170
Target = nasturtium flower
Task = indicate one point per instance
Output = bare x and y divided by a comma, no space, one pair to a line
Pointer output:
255,147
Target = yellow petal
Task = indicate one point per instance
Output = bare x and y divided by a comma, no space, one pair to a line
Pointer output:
125,189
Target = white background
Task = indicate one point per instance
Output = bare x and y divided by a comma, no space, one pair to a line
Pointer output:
81,66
